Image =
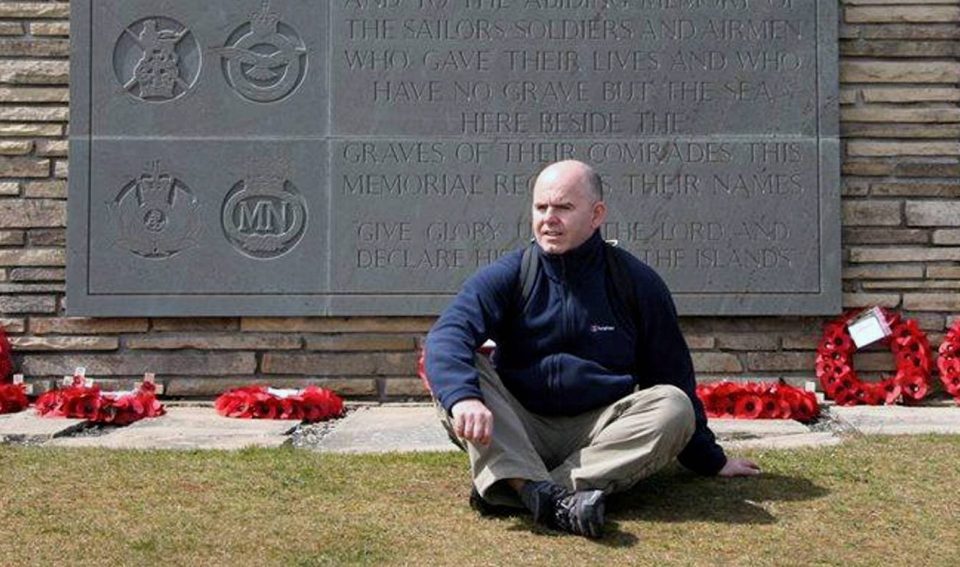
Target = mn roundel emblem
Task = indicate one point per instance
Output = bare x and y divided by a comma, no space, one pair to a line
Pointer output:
264,217
156,215
264,59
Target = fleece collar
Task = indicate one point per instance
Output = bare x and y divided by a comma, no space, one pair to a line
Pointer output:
572,264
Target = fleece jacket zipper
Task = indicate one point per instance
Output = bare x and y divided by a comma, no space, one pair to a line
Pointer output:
564,332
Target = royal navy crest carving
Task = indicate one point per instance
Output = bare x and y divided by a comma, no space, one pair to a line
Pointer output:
264,60
156,215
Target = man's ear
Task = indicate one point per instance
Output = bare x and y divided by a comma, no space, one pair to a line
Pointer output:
599,214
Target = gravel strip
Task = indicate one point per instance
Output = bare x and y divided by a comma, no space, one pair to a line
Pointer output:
87,429
829,422
309,435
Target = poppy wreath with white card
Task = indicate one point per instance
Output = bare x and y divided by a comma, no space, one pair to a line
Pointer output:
310,404
911,350
949,361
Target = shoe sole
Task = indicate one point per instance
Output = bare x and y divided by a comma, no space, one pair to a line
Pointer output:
591,524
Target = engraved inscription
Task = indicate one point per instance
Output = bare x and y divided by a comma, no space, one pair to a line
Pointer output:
264,60
264,216
156,59
609,68
156,215
719,213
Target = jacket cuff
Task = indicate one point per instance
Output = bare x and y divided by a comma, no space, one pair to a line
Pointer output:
703,455
451,398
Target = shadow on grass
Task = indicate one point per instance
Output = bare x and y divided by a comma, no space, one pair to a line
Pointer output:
677,495
680,496
613,535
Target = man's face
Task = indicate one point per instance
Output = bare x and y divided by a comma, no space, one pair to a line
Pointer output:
565,213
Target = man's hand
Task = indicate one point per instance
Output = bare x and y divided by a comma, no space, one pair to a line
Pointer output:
472,421
739,467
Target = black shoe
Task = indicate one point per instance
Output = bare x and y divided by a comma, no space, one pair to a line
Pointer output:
579,513
484,508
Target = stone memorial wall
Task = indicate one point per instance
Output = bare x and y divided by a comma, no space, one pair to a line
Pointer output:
371,154
900,167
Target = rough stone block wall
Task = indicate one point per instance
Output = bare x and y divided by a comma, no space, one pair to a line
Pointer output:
900,123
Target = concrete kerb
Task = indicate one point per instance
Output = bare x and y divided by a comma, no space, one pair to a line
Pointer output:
188,428
410,427
26,428
901,420
388,428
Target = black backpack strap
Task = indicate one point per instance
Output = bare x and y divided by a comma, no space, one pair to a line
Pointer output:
618,278
529,263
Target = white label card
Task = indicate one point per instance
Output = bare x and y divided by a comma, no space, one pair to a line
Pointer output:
283,392
868,328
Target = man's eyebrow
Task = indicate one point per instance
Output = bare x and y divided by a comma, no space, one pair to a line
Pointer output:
554,203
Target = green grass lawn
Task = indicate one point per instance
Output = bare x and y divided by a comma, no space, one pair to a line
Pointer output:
871,501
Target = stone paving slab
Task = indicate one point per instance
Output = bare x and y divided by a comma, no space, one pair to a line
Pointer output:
379,429
28,426
383,429
736,428
414,427
189,428
797,441
900,420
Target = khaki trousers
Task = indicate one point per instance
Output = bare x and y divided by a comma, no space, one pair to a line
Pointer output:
610,448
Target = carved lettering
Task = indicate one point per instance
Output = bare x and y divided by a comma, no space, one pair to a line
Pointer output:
398,92
782,152
393,152
383,231
749,258
364,29
403,184
540,60
753,184
458,60
376,59
494,122
402,258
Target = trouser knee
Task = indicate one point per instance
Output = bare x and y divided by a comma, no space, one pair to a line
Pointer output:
676,411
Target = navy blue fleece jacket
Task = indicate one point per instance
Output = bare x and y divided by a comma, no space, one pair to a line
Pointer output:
573,348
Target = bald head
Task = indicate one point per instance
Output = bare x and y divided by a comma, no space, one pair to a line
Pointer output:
576,172
567,206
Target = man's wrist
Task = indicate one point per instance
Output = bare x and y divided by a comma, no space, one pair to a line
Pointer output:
467,398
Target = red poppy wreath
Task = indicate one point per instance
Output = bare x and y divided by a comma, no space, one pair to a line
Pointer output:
259,402
13,398
6,357
80,401
949,361
910,348
777,400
